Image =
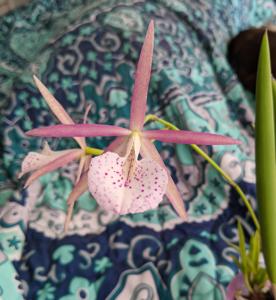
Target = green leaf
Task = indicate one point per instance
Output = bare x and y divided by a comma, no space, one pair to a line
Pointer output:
233,246
245,263
236,261
249,266
265,158
261,277
274,102
254,250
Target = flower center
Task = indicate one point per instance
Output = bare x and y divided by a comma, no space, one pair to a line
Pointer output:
132,153
134,143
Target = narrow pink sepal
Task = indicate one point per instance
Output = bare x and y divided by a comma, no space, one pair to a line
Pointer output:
141,82
81,167
189,137
56,108
176,199
85,116
55,164
119,145
79,130
78,190
68,217
148,150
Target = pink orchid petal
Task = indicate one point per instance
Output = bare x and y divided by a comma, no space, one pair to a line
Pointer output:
237,284
81,167
35,160
87,110
117,191
87,164
80,130
68,217
141,83
57,108
54,164
80,188
47,150
148,150
119,145
189,137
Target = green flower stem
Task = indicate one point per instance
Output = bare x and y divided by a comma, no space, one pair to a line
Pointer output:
93,151
214,164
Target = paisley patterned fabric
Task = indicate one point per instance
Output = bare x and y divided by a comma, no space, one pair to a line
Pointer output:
86,52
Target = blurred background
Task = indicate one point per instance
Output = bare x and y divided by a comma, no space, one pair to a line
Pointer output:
7,5
85,52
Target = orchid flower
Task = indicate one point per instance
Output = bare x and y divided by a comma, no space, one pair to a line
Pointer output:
48,160
117,179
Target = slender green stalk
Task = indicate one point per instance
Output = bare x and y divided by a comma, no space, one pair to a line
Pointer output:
214,164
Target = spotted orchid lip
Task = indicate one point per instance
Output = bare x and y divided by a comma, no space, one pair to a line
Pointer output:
124,185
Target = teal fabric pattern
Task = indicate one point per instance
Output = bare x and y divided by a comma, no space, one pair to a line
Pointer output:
85,52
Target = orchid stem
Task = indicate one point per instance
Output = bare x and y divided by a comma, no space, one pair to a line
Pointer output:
214,164
93,151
